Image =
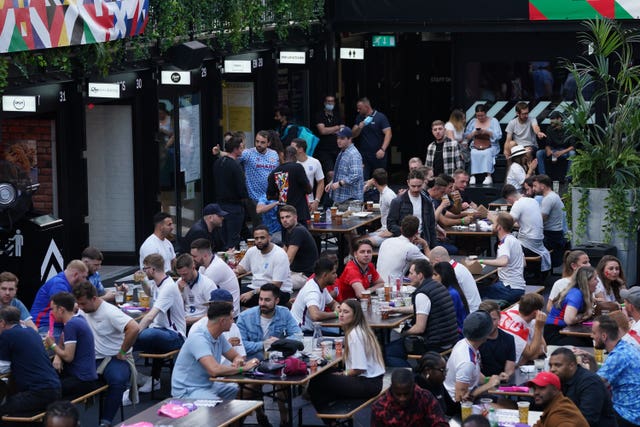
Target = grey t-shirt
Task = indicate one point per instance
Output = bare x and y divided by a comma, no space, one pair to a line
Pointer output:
522,133
553,207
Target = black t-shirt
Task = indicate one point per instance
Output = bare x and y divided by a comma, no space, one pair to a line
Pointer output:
307,254
557,138
288,183
438,162
495,353
327,143
228,179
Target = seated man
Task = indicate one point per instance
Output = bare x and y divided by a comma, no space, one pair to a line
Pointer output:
558,409
75,357
460,199
195,287
463,275
92,257
434,316
499,350
396,253
583,387
163,328
36,383
208,227
510,262
200,355
525,322
75,273
405,404
8,290
299,245
268,320
309,306
267,263
114,334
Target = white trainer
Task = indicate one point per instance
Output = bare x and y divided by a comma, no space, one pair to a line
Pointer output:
488,180
146,387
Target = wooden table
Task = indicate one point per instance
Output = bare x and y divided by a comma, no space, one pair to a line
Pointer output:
382,327
279,384
504,415
341,231
578,330
487,270
223,414
466,233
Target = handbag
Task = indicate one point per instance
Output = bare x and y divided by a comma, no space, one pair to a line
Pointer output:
415,344
481,142
294,366
269,367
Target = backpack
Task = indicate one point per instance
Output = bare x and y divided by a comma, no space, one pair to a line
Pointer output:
306,134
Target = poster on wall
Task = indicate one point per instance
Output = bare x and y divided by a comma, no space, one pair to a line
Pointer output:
542,10
237,109
190,137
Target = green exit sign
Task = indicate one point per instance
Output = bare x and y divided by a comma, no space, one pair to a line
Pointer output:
383,41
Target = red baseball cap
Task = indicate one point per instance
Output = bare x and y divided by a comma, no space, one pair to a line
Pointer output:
544,379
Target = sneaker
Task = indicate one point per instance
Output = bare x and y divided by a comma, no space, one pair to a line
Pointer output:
488,180
146,387
142,379
472,180
126,401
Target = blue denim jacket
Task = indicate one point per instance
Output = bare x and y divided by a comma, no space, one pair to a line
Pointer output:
283,324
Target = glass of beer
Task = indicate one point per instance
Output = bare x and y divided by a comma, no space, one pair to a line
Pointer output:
523,412
466,408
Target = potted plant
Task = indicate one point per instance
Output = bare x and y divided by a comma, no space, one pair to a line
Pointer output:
604,121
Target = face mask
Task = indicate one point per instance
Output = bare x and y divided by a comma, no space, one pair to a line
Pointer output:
328,107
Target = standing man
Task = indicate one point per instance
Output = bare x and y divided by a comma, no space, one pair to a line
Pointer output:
288,184
36,383
443,155
413,202
158,242
348,181
258,163
552,210
207,227
231,190
374,132
267,263
510,262
313,169
74,274
328,123
522,130
299,245
195,287
559,410
434,316
287,131
163,328
218,271
114,333
310,303
75,357
583,387
8,291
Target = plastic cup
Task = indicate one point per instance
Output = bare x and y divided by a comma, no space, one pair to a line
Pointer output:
466,408
485,403
144,299
364,304
523,412
119,297
313,365
327,350
539,364
338,219
338,342
316,216
251,242
599,355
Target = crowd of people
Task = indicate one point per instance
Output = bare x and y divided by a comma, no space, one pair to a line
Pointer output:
220,327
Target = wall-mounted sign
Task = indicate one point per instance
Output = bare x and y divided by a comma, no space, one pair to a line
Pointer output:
382,40
175,78
104,90
237,66
292,57
25,104
351,53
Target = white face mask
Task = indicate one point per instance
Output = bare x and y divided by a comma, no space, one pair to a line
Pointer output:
328,107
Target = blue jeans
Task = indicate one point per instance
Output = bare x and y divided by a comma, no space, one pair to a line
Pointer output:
117,374
158,340
394,354
499,291
541,155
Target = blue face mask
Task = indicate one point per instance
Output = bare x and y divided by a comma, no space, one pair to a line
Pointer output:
328,107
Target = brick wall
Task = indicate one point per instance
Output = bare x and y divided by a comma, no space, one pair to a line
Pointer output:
37,137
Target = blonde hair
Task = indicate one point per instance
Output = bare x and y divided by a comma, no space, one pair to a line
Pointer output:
457,119
359,325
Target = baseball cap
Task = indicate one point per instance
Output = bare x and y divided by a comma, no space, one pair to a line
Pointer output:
544,379
220,295
555,115
477,326
517,150
632,295
345,132
213,208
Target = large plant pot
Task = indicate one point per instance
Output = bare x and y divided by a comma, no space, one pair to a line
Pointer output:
596,220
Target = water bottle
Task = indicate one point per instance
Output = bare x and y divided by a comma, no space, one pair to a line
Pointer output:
317,335
493,418
328,216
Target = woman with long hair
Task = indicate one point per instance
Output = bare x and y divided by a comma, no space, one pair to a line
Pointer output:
611,281
444,273
359,273
521,167
571,262
573,305
484,133
429,375
454,130
363,362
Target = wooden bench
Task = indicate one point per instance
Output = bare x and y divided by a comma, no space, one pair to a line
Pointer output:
164,359
80,399
419,356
